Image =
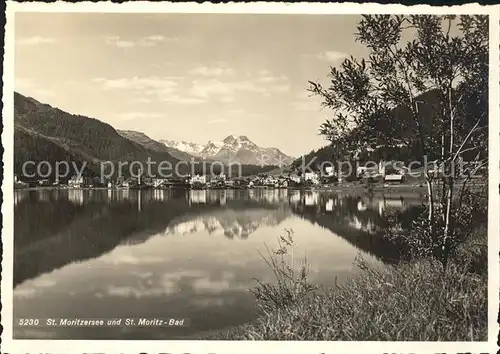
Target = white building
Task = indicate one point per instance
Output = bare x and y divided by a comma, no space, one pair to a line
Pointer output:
202,179
295,178
76,182
311,176
270,181
394,178
371,171
329,171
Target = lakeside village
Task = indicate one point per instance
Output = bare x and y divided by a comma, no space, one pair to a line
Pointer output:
385,174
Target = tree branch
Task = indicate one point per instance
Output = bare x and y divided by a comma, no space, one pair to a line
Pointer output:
468,136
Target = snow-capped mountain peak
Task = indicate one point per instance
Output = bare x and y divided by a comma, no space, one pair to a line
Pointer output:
211,149
233,148
190,148
230,139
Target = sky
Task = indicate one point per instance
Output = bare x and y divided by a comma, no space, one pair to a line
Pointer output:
191,77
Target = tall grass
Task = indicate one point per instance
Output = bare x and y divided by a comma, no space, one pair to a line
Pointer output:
473,253
291,285
414,301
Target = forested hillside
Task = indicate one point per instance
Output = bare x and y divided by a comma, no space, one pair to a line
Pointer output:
394,141
45,133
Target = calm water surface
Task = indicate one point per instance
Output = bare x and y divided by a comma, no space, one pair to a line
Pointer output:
175,253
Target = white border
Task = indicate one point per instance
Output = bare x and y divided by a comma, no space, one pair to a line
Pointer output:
135,346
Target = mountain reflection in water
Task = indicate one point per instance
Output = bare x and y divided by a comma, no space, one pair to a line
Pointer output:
94,253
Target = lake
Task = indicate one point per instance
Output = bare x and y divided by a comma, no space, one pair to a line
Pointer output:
189,254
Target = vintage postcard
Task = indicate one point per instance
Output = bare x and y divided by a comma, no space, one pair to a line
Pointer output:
241,178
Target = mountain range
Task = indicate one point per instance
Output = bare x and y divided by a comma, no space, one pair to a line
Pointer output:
45,135
233,148
151,144
228,222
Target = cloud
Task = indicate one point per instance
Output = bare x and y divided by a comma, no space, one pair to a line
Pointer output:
199,90
43,283
217,121
275,83
305,101
121,259
141,291
265,72
142,100
142,116
32,287
31,88
211,302
118,42
271,79
205,285
239,113
144,41
147,85
306,106
156,39
168,284
329,55
35,40
216,83
165,89
265,76
211,88
125,44
211,71
226,283
143,275
182,100
24,292
226,91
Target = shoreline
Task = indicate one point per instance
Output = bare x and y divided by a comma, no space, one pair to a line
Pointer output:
377,293
393,188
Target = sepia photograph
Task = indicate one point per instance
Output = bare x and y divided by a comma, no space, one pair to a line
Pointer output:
251,176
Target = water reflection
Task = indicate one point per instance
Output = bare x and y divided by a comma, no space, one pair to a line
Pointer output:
311,198
198,196
75,196
227,222
111,250
19,196
90,223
